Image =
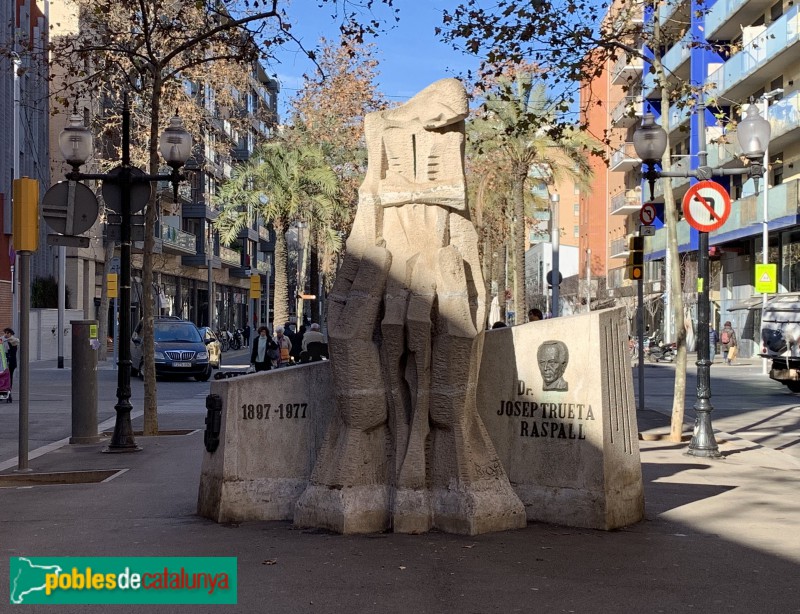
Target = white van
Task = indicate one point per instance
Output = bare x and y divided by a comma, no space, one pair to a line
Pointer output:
780,338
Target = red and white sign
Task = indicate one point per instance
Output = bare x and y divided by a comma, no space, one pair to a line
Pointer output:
706,206
647,214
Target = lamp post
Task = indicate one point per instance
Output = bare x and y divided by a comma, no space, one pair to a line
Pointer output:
555,237
75,142
765,222
650,142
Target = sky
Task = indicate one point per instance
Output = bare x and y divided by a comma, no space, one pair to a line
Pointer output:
410,54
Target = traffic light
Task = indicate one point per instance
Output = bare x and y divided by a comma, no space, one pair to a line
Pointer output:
255,286
636,258
112,284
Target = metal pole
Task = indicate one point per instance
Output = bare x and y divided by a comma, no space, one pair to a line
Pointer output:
210,291
555,238
122,440
765,226
703,442
15,263
23,357
588,279
116,331
267,321
640,325
62,301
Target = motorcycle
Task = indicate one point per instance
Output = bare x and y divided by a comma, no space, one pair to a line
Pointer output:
659,351
237,338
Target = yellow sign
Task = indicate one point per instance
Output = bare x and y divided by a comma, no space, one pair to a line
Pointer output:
766,278
92,331
26,214
112,285
255,286
699,284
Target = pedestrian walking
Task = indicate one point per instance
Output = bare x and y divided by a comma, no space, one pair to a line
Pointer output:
284,347
10,343
264,349
246,335
729,343
713,338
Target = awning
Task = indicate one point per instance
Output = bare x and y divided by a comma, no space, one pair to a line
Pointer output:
746,303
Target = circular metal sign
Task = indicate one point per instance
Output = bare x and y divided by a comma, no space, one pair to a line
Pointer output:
706,206
140,192
69,208
647,214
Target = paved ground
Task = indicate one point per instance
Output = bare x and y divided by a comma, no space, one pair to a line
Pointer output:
720,535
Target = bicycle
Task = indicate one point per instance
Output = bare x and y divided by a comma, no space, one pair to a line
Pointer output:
224,342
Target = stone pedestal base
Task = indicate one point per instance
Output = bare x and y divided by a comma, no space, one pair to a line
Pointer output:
353,509
481,509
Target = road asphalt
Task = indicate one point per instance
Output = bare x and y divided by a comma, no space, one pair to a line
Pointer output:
719,535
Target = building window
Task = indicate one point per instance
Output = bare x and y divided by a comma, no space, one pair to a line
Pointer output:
576,231
776,167
576,209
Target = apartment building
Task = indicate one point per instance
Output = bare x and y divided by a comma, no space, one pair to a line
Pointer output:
23,129
612,108
736,51
191,267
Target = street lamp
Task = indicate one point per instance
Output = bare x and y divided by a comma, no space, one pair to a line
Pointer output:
75,142
765,98
555,236
650,143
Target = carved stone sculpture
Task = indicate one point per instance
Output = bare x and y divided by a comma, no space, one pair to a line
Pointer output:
407,449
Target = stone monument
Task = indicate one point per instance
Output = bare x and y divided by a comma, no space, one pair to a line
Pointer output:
406,449
422,419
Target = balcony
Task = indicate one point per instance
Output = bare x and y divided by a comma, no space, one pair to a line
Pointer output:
679,184
626,202
619,248
784,118
657,245
783,207
678,116
230,257
724,150
624,159
676,59
724,19
771,53
177,241
673,9
626,70
650,88
628,112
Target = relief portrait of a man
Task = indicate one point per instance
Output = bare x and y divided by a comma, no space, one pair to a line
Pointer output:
553,357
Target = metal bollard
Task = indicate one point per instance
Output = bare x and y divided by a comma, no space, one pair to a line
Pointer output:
84,382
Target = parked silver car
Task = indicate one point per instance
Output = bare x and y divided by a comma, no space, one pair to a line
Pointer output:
179,349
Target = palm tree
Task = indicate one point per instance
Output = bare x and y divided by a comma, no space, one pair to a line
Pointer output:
512,128
283,184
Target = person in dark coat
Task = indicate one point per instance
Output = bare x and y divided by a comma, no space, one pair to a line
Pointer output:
11,343
263,346
246,335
